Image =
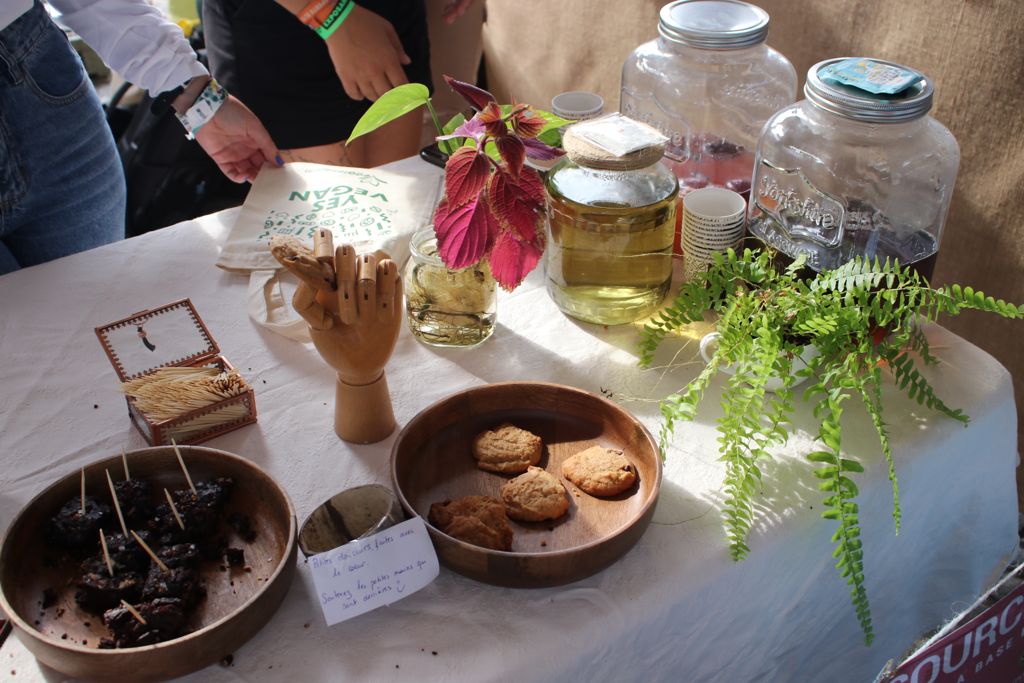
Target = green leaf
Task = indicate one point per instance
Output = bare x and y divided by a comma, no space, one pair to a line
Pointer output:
822,456
391,105
553,122
453,123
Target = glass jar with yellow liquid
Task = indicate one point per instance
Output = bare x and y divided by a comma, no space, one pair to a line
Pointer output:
610,221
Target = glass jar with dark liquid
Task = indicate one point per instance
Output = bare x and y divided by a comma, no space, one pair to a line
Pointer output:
848,172
610,221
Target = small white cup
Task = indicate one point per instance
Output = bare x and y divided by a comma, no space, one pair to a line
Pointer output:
709,342
713,220
577,105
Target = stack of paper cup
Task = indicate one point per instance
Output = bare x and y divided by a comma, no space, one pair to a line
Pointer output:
713,220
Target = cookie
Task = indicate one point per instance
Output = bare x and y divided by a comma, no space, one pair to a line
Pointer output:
506,449
535,496
479,520
600,471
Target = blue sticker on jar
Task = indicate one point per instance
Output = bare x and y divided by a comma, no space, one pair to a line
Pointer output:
870,76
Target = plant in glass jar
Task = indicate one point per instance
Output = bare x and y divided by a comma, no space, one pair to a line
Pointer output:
492,202
861,321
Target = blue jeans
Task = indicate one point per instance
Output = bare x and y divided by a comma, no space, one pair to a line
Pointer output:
62,186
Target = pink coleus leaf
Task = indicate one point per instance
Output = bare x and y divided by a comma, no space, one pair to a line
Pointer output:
512,260
464,233
517,202
466,174
513,152
535,149
474,128
477,97
526,124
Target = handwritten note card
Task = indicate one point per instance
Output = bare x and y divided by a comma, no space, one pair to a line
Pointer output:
374,571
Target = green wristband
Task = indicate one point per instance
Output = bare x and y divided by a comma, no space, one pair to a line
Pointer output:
335,18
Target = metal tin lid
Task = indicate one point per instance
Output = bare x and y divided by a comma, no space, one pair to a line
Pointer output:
167,336
713,24
861,105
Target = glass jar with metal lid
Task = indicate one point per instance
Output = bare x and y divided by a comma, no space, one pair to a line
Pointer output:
610,222
709,83
858,168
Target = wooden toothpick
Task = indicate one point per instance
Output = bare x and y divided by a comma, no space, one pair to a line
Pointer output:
177,517
117,506
183,468
149,551
134,612
106,555
124,461
83,490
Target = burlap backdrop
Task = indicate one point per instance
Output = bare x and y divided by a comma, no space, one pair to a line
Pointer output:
971,50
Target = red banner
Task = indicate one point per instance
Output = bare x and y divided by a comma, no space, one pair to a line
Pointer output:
987,649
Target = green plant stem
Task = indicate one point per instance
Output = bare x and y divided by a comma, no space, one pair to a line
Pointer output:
445,145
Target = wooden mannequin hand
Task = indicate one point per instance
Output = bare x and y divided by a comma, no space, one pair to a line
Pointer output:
352,304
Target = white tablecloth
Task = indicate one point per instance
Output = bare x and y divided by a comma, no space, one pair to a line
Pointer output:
675,608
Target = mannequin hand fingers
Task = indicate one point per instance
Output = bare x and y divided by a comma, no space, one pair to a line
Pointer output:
387,280
305,304
346,264
366,290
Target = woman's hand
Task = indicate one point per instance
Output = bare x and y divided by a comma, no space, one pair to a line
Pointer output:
367,55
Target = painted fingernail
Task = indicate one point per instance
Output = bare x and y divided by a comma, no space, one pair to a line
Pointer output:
279,160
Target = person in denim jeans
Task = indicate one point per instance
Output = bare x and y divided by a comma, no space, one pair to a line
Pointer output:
62,188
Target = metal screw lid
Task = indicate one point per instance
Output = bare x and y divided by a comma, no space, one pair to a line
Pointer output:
861,105
713,24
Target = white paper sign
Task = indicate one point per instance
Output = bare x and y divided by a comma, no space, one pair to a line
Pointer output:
374,571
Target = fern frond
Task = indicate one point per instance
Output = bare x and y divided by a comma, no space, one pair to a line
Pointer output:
682,405
743,439
871,395
688,307
841,508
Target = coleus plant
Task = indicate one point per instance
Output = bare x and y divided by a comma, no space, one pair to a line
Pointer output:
493,201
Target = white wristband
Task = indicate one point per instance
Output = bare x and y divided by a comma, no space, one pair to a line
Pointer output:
205,106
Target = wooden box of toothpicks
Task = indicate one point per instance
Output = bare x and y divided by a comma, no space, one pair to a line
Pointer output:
177,384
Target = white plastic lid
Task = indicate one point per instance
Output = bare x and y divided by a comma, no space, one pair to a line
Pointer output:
577,105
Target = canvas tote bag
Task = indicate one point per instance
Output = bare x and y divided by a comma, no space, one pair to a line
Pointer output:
370,209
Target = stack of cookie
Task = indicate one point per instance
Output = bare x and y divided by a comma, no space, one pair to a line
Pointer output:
535,495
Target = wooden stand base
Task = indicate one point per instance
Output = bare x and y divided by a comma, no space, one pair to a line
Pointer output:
363,414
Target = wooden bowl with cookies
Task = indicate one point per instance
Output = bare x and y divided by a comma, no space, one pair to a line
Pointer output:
528,484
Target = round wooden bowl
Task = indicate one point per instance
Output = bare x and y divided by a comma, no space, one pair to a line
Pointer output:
238,602
432,461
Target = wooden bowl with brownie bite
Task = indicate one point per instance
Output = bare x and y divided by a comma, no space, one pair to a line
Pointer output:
433,464
229,564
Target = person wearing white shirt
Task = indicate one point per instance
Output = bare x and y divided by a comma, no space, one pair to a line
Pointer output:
62,187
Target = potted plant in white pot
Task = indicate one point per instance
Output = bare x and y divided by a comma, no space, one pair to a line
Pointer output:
861,321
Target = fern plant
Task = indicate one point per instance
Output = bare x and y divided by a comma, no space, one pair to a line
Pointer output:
860,317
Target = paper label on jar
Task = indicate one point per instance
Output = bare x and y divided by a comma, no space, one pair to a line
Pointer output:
800,208
618,134
870,76
649,110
